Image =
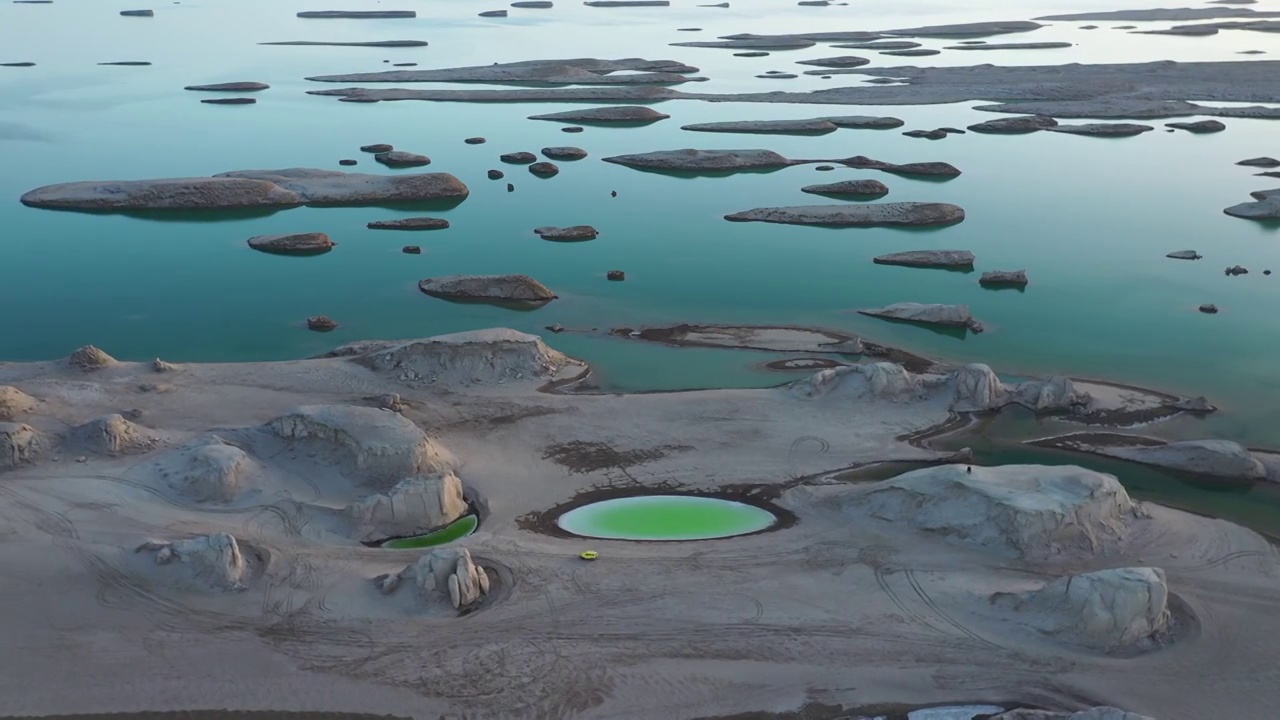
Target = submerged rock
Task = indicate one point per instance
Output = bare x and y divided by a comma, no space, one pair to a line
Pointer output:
928,259
19,445
416,505
1037,512
213,559
616,114
358,14
413,223
290,187
902,213
1015,125
1200,126
573,233
520,290
1004,277
849,188
380,447
14,403
313,243
564,153
1103,129
230,87
928,314
401,159
1122,609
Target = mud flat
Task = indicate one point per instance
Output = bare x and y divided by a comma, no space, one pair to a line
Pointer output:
223,526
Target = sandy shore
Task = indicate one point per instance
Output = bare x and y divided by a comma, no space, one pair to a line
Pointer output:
840,608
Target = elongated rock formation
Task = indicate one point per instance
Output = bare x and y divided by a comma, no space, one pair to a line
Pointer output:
868,215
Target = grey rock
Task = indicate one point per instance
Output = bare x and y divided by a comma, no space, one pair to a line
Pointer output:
575,71
849,188
401,159
544,169
20,444
1004,277
912,52
413,223
778,76
779,43
615,114
928,259
628,3
411,250
1266,206
1184,255
14,403
978,29
533,4
376,148
358,14
518,158
815,126
571,129
348,162
842,61
374,43
879,45
932,169
616,275
1222,459
495,175
313,243
1198,404
230,87
321,323
928,314
574,233
564,153
416,505
863,215
493,13
1012,46
1209,309
747,54
1103,129
138,13
1237,270
1015,125
870,122
1262,162
703,160
520,290
229,101
1107,611
475,141
937,134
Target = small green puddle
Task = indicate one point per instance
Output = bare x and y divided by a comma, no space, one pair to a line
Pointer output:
459,529
665,517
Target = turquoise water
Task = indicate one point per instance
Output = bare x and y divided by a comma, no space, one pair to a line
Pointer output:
665,517
1090,219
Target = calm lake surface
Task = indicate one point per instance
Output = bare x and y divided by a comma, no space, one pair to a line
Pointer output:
1090,219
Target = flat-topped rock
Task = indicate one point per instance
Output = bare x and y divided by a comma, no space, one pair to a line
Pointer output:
518,158
1160,14
867,215
779,43
1012,46
372,43
377,148
229,101
401,159
1121,609
690,159
574,71
628,3
1102,129
1008,278
814,126
358,14
533,4
615,114
413,223
230,87
493,13
1221,459
519,290
137,13
490,357
1184,255
1266,206
928,169
928,314
849,188
564,152
841,61
778,76
977,29
1262,162
928,259
312,243
879,45
911,52
1199,126
289,187
868,122
1015,125
573,233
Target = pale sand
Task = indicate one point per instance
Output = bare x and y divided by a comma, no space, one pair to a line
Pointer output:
836,609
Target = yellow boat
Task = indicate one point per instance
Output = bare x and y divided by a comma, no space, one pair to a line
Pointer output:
589,555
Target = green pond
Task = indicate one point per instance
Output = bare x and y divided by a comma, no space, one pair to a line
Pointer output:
455,531
665,517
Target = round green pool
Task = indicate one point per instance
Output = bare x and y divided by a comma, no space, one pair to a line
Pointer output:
458,529
665,517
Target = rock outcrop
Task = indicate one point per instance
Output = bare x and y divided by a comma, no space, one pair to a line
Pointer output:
1004,278
401,159
19,445
928,314
1037,512
414,506
544,169
1199,126
1097,713
1102,129
381,447
90,358
230,87
448,571
518,290
849,188
926,169
575,71
814,126
14,404
358,14
868,215
1184,255
928,259
290,187
1015,125
1262,162
1221,459
413,223
113,435
842,61
212,559
564,152
615,114
1118,610
691,160
468,358
208,470
1266,206
573,233
312,243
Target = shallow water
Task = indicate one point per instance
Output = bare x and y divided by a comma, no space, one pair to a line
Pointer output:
454,531
665,517
1090,219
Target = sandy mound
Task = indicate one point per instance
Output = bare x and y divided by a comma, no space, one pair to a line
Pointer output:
382,446
1216,458
467,358
209,469
1039,512
212,559
1109,610
113,435
90,358
414,506
443,570
18,444
14,403
970,388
